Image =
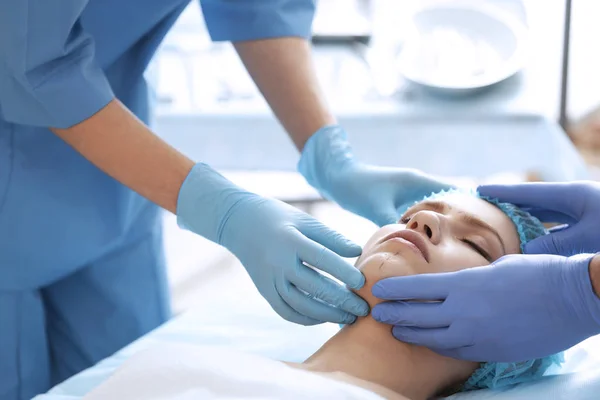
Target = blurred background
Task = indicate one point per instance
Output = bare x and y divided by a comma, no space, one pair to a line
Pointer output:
539,122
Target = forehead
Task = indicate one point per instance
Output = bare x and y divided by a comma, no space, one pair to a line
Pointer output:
476,206
487,212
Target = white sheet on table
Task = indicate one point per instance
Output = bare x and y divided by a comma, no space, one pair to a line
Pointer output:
182,372
242,323
188,371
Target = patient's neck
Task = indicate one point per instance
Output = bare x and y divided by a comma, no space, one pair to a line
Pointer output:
367,350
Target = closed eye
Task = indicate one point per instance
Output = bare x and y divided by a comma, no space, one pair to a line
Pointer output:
478,249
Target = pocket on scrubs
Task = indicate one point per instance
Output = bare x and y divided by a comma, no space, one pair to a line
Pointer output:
6,158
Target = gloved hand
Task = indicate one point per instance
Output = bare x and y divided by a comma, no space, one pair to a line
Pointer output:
376,193
519,308
272,240
576,204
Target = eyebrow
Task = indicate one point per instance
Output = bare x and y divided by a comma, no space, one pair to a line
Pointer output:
476,222
468,218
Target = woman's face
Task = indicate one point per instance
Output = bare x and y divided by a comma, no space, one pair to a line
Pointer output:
456,232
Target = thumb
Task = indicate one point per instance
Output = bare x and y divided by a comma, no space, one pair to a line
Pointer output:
384,215
548,196
385,218
331,239
554,243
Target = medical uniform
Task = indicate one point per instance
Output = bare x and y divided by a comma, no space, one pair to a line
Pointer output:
82,269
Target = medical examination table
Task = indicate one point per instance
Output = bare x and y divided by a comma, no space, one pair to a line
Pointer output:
438,136
452,142
244,321
442,143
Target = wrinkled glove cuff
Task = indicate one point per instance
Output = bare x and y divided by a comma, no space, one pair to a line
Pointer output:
205,200
325,152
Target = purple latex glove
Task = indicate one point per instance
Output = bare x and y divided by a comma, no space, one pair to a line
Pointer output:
576,204
519,308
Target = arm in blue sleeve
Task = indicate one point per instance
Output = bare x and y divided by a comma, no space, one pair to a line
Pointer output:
239,20
48,73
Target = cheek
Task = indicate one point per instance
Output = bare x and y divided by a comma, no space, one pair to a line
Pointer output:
379,266
384,264
455,257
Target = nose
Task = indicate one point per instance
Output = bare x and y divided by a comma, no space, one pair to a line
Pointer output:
426,223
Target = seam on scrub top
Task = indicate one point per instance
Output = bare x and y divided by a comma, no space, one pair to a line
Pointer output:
18,317
11,158
76,60
161,287
160,276
56,71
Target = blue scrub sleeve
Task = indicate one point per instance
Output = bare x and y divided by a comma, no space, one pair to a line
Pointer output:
48,72
239,20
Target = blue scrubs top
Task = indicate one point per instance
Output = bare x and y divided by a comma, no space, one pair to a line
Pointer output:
61,62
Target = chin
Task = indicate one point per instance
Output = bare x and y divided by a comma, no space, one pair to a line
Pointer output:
378,266
385,264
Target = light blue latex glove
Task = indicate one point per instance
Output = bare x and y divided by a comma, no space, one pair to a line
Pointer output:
576,204
376,193
519,308
272,240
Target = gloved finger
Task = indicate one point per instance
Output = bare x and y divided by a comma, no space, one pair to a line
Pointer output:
286,312
427,187
312,308
336,242
385,217
328,291
559,243
415,287
403,208
549,215
384,213
550,196
432,185
438,338
420,315
320,257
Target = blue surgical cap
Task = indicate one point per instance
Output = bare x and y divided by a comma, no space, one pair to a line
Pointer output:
492,375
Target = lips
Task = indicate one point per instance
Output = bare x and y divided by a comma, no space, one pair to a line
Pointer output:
411,236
